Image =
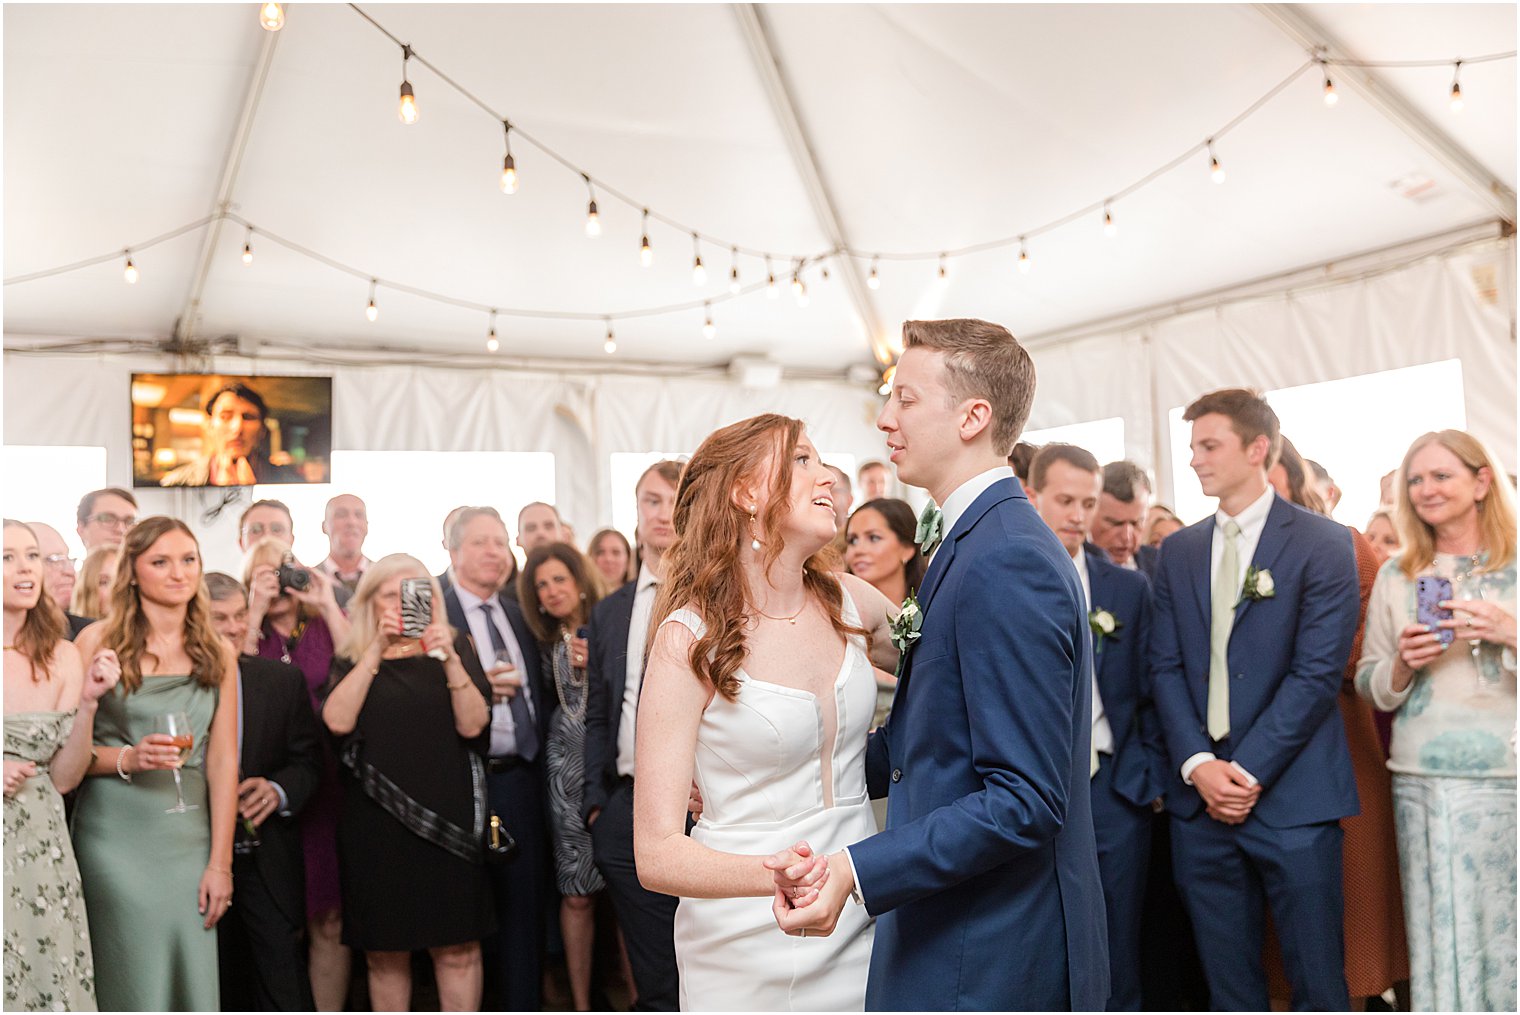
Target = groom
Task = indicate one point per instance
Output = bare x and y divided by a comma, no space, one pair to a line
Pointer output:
985,882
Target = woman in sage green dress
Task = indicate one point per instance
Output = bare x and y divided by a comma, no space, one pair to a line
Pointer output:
50,707
156,882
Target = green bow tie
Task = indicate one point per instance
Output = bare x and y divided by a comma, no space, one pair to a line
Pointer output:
931,528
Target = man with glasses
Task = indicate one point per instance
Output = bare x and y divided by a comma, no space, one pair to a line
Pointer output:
104,517
58,573
265,519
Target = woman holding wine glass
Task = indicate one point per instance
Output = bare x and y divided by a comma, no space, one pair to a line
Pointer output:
1442,659
153,823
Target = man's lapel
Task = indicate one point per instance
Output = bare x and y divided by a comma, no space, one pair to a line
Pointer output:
1200,568
998,492
1274,537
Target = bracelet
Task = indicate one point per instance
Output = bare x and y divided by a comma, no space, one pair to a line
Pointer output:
459,686
125,775
219,870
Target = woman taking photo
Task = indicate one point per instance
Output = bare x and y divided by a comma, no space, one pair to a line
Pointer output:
408,837
50,705
613,557
560,591
153,823
880,547
92,592
1451,687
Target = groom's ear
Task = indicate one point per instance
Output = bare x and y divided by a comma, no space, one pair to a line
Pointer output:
976,417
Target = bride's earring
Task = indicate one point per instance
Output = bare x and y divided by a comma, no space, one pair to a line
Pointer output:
754,540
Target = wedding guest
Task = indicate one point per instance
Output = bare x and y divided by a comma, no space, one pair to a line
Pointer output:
104,516
560,591
1160,522
50,708
1453,753
234,448
263,519
881,548
262,948
1246,691
1121,515
345,523
1377,956
619,630
1383,534
446,579
1324,486
613,557
477,605
301,627
408,724
875,480
537,524
1020,458
92,590
59,575
844,499
1128,754
157,877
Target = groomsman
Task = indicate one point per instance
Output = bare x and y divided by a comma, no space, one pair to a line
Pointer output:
1120,519
619,633
1256,608
1128,755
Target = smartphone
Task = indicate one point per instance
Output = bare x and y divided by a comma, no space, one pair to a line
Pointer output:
1429,592
417,610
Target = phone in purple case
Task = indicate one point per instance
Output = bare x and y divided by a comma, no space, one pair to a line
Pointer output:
1430,591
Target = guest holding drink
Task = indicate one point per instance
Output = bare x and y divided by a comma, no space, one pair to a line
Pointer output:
560,591
410,832
1439,652
93,589
153,824
50,705
613,557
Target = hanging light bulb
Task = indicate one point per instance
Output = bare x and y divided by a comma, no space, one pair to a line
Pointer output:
1456,87
709,329
1216,171
886,380
272,17
823,273
944,273
129,274
1330,97
372,311
770,280
873,280
491,343
733,271
1024,262
609,346
646,252
508,164
593,222
799,287
1109,228
248,247
407,110
698,273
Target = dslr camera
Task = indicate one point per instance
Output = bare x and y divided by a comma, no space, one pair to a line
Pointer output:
292,575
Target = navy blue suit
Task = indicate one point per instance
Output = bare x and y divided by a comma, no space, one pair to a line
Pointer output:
1133,775
1145,559
985,882
1287,655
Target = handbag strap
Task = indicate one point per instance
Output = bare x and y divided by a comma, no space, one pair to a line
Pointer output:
419,819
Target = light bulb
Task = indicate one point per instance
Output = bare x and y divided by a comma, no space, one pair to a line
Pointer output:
247,253
491,343
873,280
770,287
944,273
797,287
372,311
593,223
733,280
508,175
1216,171
1456,97
646,255
1024,262
609,346
1109,227
272,17
886,380
129,274
698,273
1330,97
408,108
709,329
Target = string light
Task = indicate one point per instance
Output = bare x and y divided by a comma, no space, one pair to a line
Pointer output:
646,253
733,271
944,273
491,343
129,274
609,346
272,17
248,247
593,222
1109,228
1216,171
1456,87
799,287
372,311
407,110
823,273
709,329
886,380
508,164
698,273
1024,262
873,280
1330,97
770,280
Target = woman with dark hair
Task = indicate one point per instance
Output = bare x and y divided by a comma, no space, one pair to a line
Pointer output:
153,824
613,557
50,705
759,681
880,547
559,589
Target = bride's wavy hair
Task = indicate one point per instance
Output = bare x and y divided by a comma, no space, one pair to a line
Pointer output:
702,569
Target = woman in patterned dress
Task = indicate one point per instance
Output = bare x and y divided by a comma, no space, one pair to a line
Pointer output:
1453,748
558,589
50,707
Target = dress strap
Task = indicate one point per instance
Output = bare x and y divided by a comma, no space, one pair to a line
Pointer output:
848,612
689,620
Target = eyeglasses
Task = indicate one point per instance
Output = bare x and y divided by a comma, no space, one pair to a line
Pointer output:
107,518
59,562
258,529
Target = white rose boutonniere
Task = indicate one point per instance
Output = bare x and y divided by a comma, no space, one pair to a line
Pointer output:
1104,624
906,629
1258,585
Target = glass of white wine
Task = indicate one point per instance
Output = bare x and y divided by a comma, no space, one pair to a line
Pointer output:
176,726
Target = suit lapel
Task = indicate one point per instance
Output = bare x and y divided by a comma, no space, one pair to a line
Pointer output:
1200,566
1274,537
1097,580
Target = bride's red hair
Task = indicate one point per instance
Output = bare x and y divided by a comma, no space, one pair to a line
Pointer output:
701,570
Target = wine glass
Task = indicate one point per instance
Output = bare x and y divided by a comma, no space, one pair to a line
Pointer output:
503,661
1472,589
248,833
176,725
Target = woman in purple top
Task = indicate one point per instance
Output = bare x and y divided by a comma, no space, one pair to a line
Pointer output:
300,626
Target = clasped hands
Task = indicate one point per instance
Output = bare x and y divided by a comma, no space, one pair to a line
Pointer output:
810,890
1227,791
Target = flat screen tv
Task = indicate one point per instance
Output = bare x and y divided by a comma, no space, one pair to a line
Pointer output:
230,430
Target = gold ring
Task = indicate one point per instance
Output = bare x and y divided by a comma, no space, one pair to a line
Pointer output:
802,932
1469,622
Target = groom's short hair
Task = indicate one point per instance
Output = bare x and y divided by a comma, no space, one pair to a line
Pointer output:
982,360
1250,417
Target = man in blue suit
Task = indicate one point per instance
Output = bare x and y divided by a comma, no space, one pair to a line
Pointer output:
1256,609
1119,522
1128,755
985,882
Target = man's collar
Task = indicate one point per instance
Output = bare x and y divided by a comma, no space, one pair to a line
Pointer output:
966,494
467,599
1254,513
646,579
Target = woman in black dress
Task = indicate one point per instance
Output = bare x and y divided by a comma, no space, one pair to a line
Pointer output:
407,725
558,590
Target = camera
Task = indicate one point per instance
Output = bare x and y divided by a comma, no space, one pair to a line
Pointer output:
292,575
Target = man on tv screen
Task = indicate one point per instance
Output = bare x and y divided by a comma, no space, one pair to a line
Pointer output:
233,451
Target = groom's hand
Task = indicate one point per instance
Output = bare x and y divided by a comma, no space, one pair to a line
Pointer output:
798,873
821,915
1227,792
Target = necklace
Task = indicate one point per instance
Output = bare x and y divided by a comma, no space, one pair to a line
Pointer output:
573,677
1473,561
790,620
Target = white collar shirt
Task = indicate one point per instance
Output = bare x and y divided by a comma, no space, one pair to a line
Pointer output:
1102,732
644,595
503,729
959,502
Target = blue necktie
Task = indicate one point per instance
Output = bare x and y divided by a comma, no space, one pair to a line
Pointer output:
527,733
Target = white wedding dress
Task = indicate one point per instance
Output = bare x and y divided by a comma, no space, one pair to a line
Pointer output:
773,769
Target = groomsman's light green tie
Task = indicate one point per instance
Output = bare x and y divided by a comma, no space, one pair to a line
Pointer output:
931,528
1226,593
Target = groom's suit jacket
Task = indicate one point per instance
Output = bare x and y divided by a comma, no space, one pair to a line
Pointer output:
985,882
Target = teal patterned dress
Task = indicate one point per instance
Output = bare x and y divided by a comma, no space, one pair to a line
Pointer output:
48,966
1453,763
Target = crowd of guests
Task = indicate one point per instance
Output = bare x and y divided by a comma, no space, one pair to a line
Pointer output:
271,771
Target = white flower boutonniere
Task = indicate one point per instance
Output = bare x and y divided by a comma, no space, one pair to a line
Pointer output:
1258,585
1104,624
906,629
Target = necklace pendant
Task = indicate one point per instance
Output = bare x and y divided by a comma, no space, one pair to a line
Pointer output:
792,621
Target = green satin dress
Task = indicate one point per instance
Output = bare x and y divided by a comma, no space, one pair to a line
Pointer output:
141,867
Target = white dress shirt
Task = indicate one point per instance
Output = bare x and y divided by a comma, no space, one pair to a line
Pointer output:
503,729
1102,732
644,594
1252,521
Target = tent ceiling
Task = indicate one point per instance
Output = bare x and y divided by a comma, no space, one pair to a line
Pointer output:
933,126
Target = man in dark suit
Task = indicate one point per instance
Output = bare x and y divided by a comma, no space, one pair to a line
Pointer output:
1128,755
1120,519
446,577
481,559
262,941
619,631
1256,609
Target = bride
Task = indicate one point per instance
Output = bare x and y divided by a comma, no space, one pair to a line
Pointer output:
759,683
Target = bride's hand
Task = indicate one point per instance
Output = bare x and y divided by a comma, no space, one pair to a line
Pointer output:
799,875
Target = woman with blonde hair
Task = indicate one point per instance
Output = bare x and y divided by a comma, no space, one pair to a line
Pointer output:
1383,533
96,575
760,682
153,823
1451,687
411,715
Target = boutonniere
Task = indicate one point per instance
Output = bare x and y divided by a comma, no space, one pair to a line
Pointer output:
1104,625
906,629
1258,585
